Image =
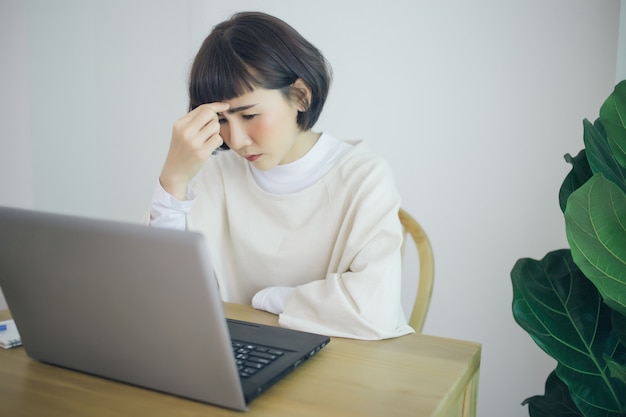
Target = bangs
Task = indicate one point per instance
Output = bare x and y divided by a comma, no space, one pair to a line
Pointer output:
220,74
255,50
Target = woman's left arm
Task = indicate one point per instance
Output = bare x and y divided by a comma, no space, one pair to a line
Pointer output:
362,297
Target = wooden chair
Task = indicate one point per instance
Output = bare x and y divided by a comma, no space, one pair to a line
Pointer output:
426,269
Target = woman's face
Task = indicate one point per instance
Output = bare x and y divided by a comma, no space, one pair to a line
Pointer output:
261,127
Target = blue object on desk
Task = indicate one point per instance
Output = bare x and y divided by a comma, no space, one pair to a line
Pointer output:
3,327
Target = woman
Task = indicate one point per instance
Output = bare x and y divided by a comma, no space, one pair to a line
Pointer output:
297,223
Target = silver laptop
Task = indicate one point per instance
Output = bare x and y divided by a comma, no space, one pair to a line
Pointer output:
137,305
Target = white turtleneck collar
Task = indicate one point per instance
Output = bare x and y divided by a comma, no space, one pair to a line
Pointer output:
304,172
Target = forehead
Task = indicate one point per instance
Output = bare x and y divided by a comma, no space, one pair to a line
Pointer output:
257,96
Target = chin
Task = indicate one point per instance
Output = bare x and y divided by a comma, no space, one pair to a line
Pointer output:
264,165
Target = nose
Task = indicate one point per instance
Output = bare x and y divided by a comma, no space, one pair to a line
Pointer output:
238,136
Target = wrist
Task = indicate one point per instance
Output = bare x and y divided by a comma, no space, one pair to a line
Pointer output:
178,189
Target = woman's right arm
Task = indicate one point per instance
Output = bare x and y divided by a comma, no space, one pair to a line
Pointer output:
194,138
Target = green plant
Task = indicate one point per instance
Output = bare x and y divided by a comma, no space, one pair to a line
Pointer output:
573,301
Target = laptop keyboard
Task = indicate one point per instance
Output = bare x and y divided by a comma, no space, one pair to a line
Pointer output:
251,358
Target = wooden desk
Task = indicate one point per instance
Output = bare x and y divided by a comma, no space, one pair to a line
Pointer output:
415,375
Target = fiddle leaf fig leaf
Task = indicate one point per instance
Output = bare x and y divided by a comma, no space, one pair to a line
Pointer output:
579,174
556,402
600,155
606,399
595,223
573,302
616,369
619,325
564,314
613,116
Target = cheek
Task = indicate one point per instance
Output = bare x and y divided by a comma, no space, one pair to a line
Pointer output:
269,127
263,127
278,123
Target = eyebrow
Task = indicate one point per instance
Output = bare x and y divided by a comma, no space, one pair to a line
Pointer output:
240,108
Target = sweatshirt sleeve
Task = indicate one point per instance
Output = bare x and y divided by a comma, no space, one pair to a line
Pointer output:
361,299
167,212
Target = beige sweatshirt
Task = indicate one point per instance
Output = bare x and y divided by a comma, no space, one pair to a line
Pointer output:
337,242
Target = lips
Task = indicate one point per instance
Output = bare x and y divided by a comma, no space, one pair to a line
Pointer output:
252,158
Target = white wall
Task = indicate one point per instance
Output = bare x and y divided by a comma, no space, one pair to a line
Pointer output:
473,103
621,44
16,169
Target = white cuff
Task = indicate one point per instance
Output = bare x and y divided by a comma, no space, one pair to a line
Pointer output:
271,299
168,212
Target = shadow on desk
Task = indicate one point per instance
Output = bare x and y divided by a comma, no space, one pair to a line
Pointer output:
414,375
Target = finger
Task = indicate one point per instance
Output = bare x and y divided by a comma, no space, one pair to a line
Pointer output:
207,115
218,106
209,131
214,142
197,126
205,144
210,109
204,113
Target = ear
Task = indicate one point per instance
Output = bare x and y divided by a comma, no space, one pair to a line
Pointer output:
302,95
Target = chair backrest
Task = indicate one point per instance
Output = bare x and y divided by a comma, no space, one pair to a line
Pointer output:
426,269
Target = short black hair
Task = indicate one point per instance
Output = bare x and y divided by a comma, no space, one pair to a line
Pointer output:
254,49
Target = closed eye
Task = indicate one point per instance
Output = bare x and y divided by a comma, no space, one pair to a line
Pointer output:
248,116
